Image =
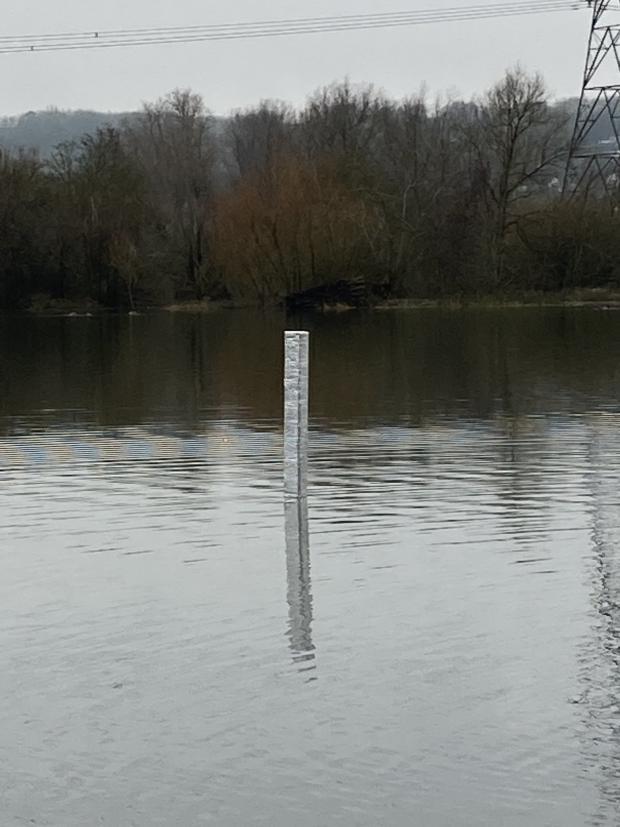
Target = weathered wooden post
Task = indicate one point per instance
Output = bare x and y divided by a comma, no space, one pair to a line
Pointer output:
296,367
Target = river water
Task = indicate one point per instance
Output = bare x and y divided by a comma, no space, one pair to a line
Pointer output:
435,642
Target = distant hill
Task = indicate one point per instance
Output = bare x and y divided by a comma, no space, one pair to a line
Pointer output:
42,131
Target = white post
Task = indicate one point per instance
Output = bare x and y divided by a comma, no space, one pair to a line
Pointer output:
296,365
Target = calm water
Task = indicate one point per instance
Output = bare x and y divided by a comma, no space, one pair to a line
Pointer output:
440,648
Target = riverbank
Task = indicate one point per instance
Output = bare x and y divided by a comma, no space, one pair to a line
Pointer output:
602,298
597,297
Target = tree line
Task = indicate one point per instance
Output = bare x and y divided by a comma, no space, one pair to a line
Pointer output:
409,198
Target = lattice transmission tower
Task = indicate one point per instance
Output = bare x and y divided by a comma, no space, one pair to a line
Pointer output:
593,165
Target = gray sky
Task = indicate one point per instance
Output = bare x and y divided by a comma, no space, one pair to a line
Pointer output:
458,58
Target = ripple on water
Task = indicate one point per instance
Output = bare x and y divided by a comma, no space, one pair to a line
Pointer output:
435,638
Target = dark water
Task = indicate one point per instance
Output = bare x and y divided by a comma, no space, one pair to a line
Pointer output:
442,648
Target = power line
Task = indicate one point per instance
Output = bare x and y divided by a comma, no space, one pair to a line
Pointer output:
69,41
527,6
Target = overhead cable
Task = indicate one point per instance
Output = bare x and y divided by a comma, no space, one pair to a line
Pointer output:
114,38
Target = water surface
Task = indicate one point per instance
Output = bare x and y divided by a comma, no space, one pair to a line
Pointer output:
435,640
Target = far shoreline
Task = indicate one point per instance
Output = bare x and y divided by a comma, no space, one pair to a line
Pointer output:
595,298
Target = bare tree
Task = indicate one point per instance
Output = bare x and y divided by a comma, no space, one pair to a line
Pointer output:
104,206
258,138
172,138
342,119
516,141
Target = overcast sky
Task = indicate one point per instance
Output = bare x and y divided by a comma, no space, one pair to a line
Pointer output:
459,58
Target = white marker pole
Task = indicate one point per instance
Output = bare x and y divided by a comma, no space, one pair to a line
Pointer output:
296,365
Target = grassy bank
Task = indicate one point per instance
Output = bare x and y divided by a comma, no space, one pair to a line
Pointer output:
593,297
603,298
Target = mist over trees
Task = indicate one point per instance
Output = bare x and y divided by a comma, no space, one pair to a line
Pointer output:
401,198
43,131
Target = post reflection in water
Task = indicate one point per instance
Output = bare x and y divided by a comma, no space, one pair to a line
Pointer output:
299,586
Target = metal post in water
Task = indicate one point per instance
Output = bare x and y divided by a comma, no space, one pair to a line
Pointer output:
296,366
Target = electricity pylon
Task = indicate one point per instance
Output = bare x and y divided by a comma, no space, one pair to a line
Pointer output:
593,165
